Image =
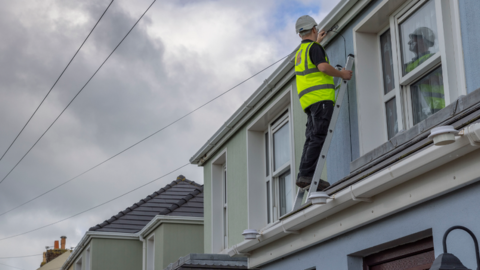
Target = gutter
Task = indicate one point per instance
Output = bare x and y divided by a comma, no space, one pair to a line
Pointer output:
426,160
147,229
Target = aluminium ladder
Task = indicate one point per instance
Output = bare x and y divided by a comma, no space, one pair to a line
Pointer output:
326,145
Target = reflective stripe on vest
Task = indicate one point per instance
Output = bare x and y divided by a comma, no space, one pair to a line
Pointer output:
312,85
433,95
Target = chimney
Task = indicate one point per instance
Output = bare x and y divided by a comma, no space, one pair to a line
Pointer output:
44,257
63,241
56,245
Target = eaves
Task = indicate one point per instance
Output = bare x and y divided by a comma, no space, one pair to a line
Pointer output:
160,219
340,16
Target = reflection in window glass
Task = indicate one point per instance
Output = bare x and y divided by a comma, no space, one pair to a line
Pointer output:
285,193
427,95
391,110
387,62
281,146
268,202
267,154
418,37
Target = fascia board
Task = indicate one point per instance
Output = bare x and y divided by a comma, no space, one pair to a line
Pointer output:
93,234
272,83
161,219
424,161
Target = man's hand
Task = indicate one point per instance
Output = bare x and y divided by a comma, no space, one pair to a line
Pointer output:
321,36
329,70
346,74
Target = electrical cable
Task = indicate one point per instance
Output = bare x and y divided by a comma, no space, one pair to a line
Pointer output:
11,266
133,145
1,258
94,207
77,94
61,74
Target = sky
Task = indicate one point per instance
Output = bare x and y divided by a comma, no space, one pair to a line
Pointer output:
181,55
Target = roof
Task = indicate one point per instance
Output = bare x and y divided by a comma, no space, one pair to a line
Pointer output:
182,197
208,261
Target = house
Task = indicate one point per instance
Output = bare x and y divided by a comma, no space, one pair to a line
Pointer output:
54,257
393,192
148,235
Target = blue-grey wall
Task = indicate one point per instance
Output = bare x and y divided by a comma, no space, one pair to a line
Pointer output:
345,144
470,24
457,208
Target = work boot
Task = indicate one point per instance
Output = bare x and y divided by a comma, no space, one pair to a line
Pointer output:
304,181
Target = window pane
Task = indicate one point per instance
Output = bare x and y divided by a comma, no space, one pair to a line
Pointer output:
391,110
268,202
225,236
281,146
427,95
286,193
387,62
267,160
418,37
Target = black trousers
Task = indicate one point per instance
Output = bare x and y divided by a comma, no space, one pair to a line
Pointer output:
319,115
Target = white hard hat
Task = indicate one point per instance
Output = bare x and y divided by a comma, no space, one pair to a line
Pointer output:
426,33
305,23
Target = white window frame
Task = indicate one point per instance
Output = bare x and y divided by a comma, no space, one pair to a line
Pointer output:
393,93
88,258
218,168
387,15
402,86
150,253
256,167
78,264
225,206
279,121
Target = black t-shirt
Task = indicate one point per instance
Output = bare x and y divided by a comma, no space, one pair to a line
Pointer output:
317,55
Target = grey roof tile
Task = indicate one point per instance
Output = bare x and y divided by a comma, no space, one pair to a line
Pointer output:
182,197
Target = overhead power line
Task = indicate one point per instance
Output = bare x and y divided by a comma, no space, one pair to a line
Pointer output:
24,256
142,140
89,209
11,266
77,94
61,74
12,236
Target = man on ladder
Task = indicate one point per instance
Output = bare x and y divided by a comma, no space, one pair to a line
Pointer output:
316,91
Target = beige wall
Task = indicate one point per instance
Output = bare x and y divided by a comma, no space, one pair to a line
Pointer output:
57,262
173,240
116,254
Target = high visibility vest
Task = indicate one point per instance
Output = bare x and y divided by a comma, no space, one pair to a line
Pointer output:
312,85
432,94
